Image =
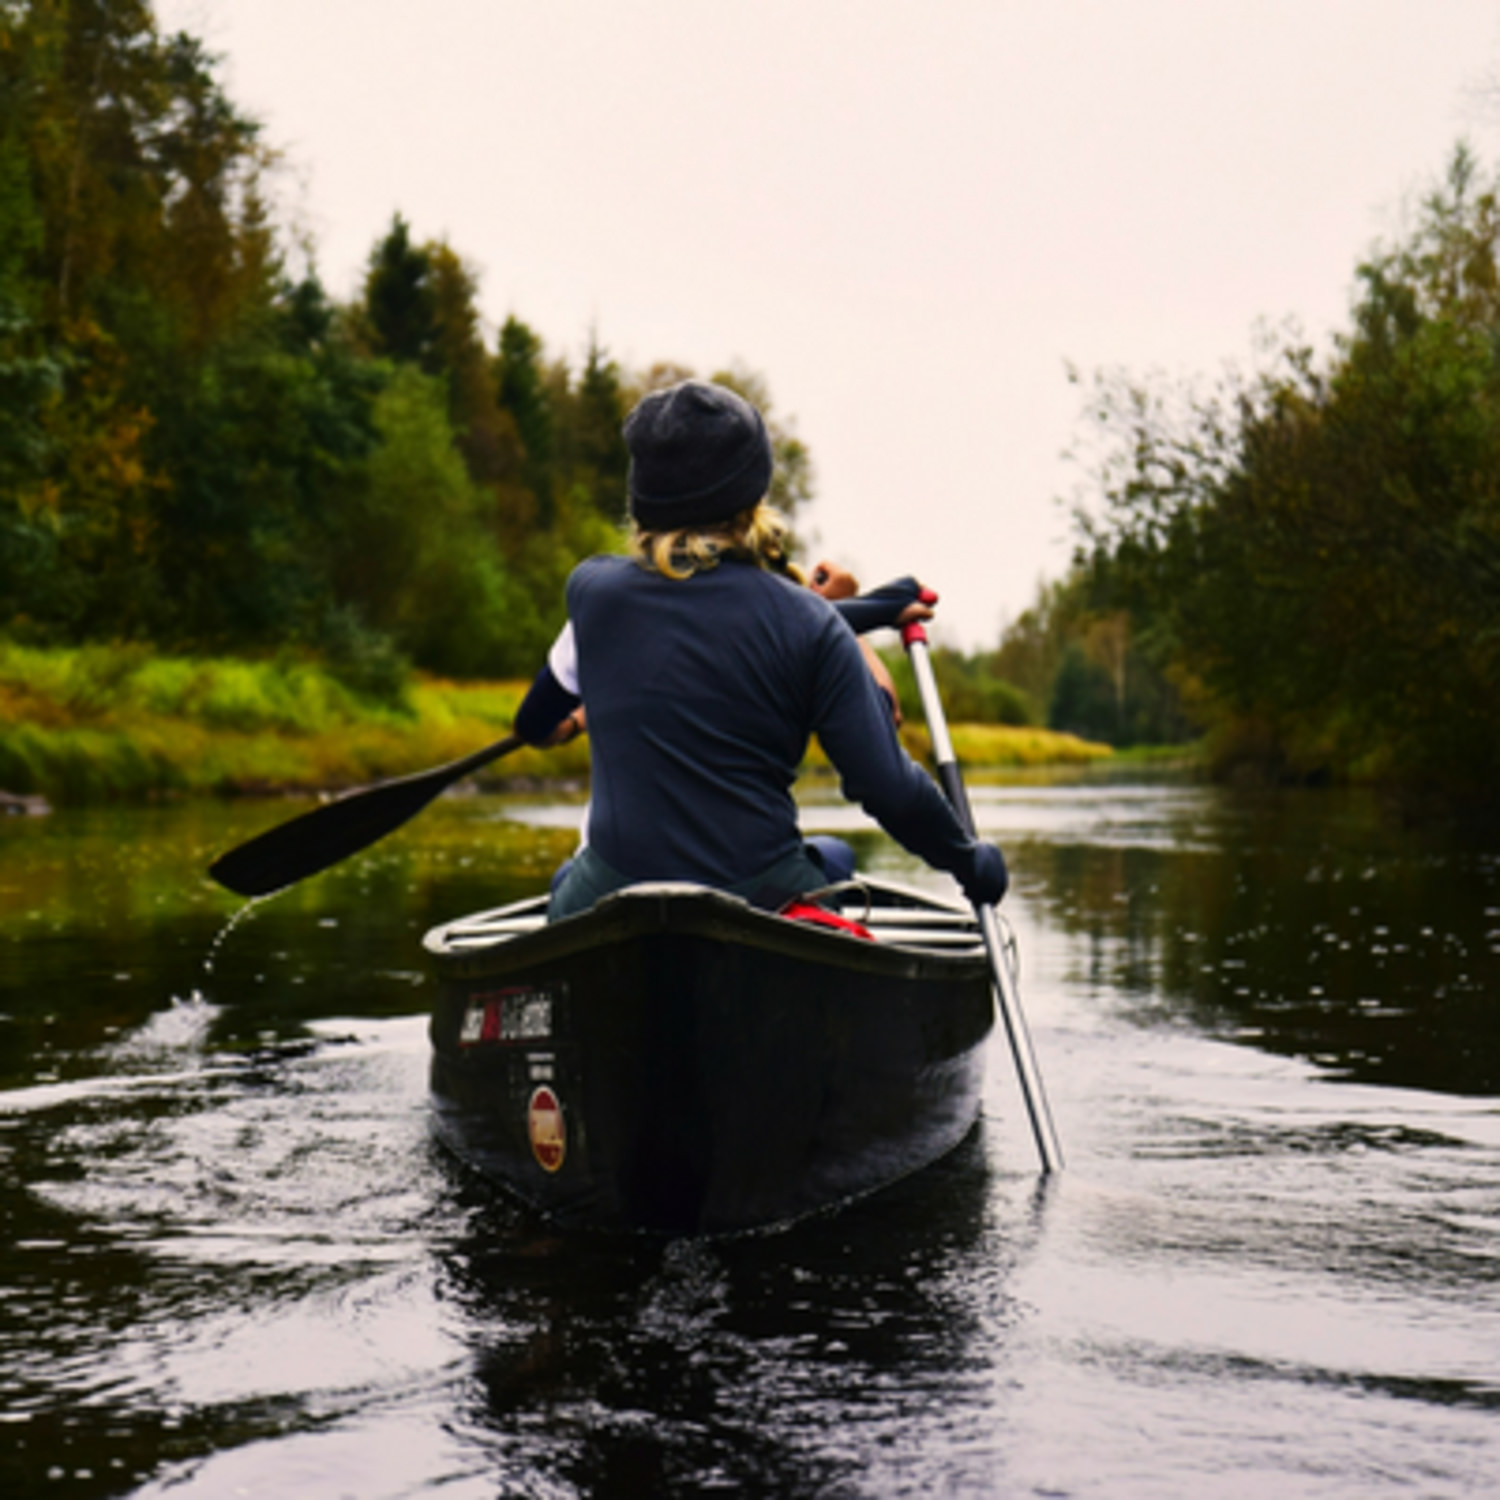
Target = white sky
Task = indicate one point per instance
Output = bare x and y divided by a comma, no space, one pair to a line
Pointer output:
909,215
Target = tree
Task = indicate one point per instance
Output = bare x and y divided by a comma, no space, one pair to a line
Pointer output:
400,302
602,459
1084,659
29,375
1083,698
414,552
458,355
1317,545
259,444
141,243
521,393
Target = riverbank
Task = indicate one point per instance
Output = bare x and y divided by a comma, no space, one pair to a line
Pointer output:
118,723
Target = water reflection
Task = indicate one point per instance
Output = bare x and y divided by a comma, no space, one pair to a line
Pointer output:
1312,923
773,1365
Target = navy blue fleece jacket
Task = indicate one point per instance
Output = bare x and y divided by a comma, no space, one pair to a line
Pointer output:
702,693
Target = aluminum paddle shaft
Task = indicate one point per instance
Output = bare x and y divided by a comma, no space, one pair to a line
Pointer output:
914,638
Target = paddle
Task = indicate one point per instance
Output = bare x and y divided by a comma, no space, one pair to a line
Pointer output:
914,638
304,845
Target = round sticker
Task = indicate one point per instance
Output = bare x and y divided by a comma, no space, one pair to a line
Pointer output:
544,1119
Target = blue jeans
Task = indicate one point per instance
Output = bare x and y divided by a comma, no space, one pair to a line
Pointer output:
822,860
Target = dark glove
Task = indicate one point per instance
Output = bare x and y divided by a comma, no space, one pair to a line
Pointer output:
987,880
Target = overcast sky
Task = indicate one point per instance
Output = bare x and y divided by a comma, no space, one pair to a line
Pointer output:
909,215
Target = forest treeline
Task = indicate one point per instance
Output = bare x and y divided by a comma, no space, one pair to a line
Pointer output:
1310,551
1298,562
203,452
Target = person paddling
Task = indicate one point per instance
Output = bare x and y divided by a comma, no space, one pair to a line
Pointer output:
706,669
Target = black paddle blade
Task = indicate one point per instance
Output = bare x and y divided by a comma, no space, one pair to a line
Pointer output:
311,842
305,845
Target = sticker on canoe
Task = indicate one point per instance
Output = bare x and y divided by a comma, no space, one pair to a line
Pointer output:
507,1016
544,1121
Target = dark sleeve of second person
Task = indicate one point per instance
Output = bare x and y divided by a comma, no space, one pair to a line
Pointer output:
546,704
880,607
860,739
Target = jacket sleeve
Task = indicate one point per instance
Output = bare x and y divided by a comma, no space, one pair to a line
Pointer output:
858,734
554,694
880,607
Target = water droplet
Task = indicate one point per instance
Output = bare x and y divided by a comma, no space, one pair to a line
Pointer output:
222,936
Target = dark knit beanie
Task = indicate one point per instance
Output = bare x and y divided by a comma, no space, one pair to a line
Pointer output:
698,454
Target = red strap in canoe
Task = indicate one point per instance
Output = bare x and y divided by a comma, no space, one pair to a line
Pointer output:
819,916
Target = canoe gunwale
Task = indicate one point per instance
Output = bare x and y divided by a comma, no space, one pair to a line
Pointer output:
695,911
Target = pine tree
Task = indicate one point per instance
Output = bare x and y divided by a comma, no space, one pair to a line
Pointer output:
400,304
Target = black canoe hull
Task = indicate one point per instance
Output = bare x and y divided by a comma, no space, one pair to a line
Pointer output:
676,1062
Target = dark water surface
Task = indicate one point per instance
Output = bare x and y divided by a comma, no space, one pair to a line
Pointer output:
234,1262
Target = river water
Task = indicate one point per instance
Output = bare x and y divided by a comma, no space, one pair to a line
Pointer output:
236,1263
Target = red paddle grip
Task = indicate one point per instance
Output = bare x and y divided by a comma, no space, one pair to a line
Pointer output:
913,631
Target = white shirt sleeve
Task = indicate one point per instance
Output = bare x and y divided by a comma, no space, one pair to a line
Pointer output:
563,660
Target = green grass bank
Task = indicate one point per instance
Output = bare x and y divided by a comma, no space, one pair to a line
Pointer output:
120,723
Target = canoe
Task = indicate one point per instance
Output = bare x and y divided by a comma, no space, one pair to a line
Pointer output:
676,1061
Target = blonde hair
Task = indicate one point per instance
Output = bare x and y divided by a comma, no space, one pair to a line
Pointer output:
759,535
